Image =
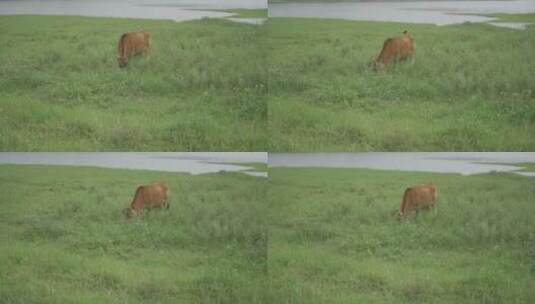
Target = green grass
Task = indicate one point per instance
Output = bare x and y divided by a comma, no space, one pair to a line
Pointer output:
530,18
526,166
255,166
470,89
203,87
334,238
246,13
65,239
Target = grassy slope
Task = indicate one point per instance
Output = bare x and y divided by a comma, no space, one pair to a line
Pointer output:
471,88
530,18
64,238
202,88
256,166
528,166
246,13
334,238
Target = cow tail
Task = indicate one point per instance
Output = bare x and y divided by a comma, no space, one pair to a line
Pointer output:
404,202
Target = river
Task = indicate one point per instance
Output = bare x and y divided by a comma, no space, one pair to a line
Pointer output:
178,10
193,163
465,163
433,12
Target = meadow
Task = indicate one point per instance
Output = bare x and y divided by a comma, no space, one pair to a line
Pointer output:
65,239
334,238
246,13
471,87
203,86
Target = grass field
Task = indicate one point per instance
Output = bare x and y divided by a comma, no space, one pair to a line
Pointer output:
334,238
471,87
65,239
203,87
246,13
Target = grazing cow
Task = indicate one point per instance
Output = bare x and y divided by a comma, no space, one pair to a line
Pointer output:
417,197
154,195
132,44
396,49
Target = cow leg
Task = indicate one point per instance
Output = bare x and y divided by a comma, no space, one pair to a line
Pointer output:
146,53
434,208
133,212
379,66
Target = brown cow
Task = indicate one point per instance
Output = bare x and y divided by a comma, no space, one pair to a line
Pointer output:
154,195
132,44
417,197
396,49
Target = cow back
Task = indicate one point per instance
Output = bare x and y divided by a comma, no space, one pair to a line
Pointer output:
418,196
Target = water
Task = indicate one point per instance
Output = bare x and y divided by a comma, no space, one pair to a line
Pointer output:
256,21
442,162
193,163
178,10
434,12
513,25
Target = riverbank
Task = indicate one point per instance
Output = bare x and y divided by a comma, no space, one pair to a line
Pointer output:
68,241
246,13
470,88
334,238
202,88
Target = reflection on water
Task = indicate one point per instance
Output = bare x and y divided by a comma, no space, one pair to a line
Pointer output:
513,25
179,10
194,163
531,174
256,173
442,162
434,12
256,21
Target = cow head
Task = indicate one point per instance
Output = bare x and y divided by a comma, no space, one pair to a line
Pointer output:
123,61
129,212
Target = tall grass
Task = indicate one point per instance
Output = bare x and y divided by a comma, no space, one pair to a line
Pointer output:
202,87
334,238
65,238
471,87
